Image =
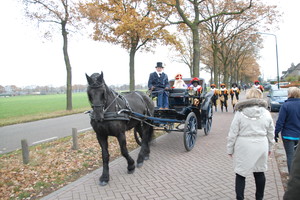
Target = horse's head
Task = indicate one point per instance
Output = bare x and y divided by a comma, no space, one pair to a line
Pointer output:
97,95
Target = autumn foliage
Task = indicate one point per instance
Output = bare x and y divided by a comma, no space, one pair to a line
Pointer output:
52,166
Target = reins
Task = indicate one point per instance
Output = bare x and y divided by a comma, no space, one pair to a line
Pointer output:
116,96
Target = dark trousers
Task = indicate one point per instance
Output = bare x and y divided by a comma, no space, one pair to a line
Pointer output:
260,181
162,99
214,100
290,147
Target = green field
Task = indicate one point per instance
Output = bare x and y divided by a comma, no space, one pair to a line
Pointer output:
18,109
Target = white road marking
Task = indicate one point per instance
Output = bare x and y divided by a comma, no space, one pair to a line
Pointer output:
86,129
54,138
45,140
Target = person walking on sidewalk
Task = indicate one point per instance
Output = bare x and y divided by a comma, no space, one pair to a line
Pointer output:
214,98
288,123
234,93
293,191
258,86
250,140
223,96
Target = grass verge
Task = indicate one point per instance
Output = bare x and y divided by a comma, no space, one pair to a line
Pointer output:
20,109
53,165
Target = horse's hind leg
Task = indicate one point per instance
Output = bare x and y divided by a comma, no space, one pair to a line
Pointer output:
104,178
145,149
124,151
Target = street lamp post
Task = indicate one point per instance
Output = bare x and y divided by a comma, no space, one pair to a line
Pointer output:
276,55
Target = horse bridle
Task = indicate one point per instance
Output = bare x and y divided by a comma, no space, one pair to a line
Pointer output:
102,106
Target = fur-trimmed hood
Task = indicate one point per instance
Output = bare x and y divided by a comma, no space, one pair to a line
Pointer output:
252,108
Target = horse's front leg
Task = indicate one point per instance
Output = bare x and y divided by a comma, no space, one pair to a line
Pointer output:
104,178
124,151
145,150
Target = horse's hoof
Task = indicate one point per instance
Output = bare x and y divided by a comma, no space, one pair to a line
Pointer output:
138,165
130,171
103,183
146,157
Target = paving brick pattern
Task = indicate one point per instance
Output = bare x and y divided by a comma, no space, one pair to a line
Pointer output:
173,173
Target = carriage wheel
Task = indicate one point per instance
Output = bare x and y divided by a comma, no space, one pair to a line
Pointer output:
190,131
137,137
208,120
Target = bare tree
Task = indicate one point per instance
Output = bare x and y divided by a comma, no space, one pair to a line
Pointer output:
54,13
192,13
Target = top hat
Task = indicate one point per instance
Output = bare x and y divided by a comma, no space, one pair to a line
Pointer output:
159,64
234,84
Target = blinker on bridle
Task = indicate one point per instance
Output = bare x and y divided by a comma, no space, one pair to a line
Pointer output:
97,85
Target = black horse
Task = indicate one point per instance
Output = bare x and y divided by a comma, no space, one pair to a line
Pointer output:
108,119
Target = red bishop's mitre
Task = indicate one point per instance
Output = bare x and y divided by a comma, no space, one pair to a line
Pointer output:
178,76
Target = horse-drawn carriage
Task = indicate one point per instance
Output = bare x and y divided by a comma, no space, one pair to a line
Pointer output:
113,113
188,111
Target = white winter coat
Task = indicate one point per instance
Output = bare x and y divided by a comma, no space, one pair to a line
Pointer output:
251,137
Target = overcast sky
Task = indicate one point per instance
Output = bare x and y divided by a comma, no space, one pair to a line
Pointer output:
27,59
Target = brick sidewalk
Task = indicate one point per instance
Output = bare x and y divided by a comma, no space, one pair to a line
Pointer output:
172,173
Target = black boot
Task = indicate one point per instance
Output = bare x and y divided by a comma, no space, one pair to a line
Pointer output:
216,109
226,109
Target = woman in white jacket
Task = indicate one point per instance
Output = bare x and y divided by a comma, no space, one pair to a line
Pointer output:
250,140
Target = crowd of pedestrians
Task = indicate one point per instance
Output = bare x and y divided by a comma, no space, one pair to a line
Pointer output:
252,135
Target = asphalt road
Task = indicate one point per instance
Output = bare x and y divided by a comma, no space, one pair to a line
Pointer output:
48,129
42,130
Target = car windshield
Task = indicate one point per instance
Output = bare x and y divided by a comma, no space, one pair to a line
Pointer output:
280,93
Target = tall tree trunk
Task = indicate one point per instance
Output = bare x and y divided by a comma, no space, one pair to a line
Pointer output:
68,66
225,80
131,68
216,68
212,80
196,51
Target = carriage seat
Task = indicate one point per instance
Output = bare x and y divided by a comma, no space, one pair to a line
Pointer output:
178,98
178,92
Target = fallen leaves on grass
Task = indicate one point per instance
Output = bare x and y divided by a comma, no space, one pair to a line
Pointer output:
53,165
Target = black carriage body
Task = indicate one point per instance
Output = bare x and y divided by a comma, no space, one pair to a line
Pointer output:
180,104
183,111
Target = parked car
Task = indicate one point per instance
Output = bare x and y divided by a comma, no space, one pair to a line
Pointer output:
274,87
276,99
267,86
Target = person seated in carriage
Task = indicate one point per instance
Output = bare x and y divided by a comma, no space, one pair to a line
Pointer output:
223,94
215,96
195,85
234,93
179,83
158,83
195,88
